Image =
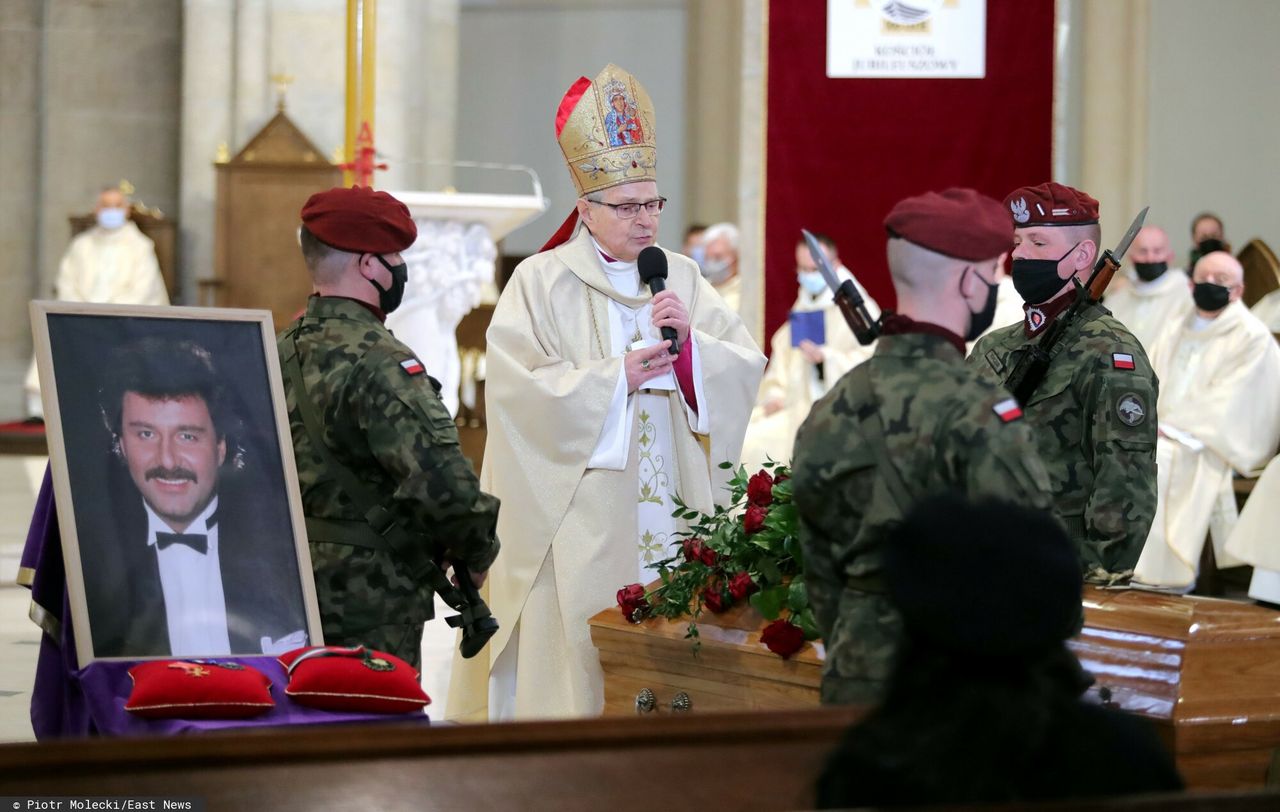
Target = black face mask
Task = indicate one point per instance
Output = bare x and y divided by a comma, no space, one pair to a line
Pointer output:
1150,271
1210,297
389,298
1037,280
982,319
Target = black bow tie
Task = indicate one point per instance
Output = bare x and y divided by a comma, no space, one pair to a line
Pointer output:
196,541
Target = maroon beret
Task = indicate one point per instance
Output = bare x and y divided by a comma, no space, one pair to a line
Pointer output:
1051,204
359,220
958,223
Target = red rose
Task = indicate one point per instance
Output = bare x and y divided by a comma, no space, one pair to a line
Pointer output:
708,556
715,599
692,549
760,489
753,519
783,638
741,585
780,477
633,603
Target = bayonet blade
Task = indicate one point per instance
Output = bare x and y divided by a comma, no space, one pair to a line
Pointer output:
1134,228
820,259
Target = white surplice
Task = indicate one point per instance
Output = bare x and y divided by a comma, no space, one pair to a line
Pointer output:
1219,412
793,380
570,454
1148,308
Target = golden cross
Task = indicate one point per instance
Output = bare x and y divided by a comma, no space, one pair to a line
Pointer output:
282,82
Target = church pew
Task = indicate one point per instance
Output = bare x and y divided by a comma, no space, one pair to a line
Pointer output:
710,761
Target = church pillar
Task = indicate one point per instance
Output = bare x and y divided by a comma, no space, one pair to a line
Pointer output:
209,51
437,139
1113,118
750,175
21,27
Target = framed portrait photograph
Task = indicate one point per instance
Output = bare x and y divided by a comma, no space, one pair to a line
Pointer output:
173,471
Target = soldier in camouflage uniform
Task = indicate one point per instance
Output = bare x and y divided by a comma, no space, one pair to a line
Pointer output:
382,420
1094,415
910,422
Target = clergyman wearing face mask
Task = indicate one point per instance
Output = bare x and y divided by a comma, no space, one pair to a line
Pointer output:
720,262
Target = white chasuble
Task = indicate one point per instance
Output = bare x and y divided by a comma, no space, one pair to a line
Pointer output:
1148,308
105,266
566,452
1219,412
793,381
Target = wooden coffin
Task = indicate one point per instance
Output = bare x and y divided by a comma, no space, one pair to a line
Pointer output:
1205,671
733,670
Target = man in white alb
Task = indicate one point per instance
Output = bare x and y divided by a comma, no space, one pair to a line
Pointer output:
593,425
1219,411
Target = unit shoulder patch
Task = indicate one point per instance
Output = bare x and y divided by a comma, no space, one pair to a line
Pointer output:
1130,409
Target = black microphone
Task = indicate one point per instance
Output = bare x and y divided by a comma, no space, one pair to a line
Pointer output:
653,272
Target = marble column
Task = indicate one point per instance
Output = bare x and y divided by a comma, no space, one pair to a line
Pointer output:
751,169
1113,112
21,25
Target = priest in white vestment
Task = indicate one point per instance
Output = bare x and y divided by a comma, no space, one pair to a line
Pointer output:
800,369
1219,408
593,426
1150,295
720,263
110,263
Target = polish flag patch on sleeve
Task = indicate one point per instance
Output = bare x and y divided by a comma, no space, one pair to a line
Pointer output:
413,366
1007,410
1122,360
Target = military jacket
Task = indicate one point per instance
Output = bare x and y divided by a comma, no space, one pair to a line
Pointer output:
1094,422
944,429
383,418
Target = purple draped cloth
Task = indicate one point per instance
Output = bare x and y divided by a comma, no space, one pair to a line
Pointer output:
67,700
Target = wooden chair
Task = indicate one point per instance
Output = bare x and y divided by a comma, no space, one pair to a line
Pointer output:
1261,270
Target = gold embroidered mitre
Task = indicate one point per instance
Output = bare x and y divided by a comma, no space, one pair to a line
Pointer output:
605,129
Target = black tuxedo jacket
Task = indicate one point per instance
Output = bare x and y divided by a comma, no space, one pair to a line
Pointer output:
260,572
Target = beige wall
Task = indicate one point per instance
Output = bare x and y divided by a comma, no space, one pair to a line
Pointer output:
1179,111
89,94
1213,138
21,23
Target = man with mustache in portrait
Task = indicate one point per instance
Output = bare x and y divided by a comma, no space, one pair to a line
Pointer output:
199,565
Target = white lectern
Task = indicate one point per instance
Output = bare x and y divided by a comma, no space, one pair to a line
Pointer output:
450,264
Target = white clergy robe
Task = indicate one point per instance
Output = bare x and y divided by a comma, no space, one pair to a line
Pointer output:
793,380
1256,537
1147,308
572,492
1219,412
1267,309
105,266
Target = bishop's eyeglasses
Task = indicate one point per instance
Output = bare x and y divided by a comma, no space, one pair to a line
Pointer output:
629,211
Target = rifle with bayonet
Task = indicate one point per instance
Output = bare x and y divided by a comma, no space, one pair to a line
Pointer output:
852,306
1031,368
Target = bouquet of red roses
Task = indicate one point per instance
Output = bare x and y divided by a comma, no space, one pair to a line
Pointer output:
746,550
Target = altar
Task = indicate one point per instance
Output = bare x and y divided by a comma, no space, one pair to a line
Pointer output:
1205,671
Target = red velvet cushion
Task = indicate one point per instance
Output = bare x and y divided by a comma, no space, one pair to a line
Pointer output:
181,689
352,679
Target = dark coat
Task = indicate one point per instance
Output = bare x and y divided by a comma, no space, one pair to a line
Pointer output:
260,574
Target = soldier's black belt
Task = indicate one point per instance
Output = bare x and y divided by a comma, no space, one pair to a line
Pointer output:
352,532
871,584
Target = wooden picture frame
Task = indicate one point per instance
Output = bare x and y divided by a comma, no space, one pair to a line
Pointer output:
173,471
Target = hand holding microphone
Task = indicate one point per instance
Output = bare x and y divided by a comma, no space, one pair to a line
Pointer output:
669,313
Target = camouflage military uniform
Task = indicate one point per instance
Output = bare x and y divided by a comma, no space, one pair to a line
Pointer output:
942,431
1094,422
384,420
